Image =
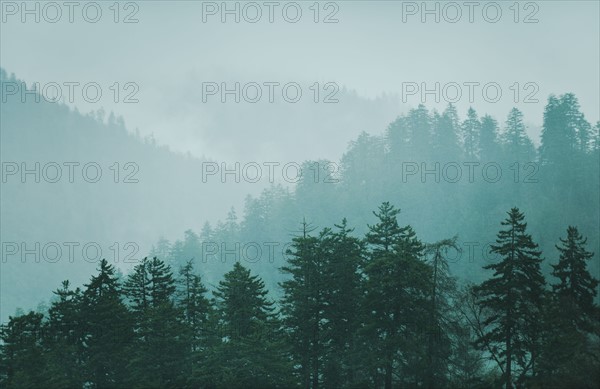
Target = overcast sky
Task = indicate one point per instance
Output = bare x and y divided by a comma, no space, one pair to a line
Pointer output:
170,52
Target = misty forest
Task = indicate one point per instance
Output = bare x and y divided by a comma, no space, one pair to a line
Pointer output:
387,271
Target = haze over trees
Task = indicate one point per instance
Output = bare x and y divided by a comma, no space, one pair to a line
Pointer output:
487,278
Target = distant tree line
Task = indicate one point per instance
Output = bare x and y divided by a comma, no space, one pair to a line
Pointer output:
381,311
555,183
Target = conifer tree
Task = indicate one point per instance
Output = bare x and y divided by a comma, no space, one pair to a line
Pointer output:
252,353
571,355
196,307
488,140
158,353
445,138
63,339
471,128
22,360
396,289
107,330
513,298
519,147
443,288
576,289
303,303
343,292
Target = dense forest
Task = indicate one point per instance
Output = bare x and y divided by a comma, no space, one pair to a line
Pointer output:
165,196
449,176
382,310
309,287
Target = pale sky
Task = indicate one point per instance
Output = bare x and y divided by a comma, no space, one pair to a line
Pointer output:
170,52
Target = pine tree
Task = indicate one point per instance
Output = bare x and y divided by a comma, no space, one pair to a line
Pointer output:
162,248
569,356
162,283
576,288
439,328
367,154
519,148
107,330
22,359
383,236
196,309
513,298
303,303
565,134
242,301
251,353
488,140
471,128
137,289
63,338
445,139
158,353
191,249
396,289
420,127
343,292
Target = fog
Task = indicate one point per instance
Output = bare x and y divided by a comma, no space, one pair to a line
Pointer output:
191,130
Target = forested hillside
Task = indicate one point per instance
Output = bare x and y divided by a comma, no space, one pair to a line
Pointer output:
478,267
449,176
382,310
144,190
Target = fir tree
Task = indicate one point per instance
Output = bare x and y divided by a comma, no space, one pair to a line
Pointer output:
396,287
63,339
471,128
22,360
571,355
513,298
252,353
107,330
303,303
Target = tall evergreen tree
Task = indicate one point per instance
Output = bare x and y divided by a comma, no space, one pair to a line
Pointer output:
396,290
576,288
63,339
343,292
303,303
471,128
197,311
158,352
137,289
518,146
439,328
488,140
571,354
196,307
445,138
107,332
513,298
252,353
